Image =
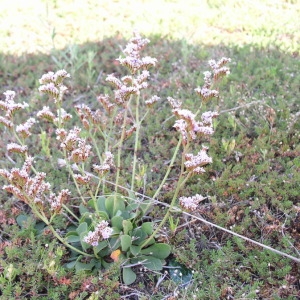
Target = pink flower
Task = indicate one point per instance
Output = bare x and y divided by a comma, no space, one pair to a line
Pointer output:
190,203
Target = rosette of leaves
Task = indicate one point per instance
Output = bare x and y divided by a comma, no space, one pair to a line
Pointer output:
127,244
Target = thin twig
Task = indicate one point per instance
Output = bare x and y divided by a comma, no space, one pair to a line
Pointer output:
241,106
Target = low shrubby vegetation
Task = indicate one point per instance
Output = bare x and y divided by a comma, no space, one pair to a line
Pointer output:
171,172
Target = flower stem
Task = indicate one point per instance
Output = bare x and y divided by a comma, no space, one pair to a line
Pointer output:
169,168
138,124
121,145
180,184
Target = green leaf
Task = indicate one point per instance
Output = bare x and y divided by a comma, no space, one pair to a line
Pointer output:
145,206
129,276
131,197
40,227
71,264
132,207
73,238
150,242
79,266
114,243
101,246
179,273
82,228
152,263
91,204
158,250
114,203
22,220
71,233
103,215
139,235
135,250
107,265
127,226
128,215
147,227
83,209
125,242
116,221
101,203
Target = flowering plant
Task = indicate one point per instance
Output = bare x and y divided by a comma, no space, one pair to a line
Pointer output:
109,223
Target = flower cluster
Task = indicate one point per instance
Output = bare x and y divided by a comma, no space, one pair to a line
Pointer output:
47,114
188,126
51,84
32,190
104,100
77,148
194,163
219,70
56,202
102,231
82,179
152,100
133,60
107,164
129,85
10,107
87,116
16,148
24,129
122,92
190,203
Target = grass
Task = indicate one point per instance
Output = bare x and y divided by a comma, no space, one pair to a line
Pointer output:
253,183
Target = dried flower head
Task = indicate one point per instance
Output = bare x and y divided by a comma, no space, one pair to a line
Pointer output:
55,78
219,69
50,89
111,78
69,140
130,131
194,163
62,116
190,203
32,189
51,84
136,45
207,117
13,147
104,100
133,59
152,100
107,164
9,106
56,202
87,116
9,95
24,129
122,95
7,123
176,104
102,231
46,114
81,153
82,179
206,94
